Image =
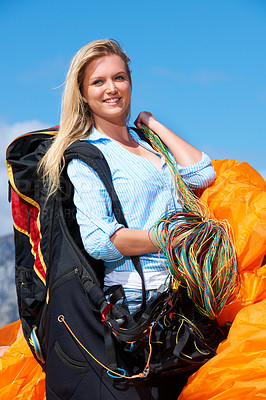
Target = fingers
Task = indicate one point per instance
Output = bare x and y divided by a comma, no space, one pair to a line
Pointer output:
144,117
138,123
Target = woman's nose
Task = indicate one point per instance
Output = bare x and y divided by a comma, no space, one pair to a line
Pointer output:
111,87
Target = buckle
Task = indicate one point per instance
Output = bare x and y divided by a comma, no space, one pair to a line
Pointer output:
104,313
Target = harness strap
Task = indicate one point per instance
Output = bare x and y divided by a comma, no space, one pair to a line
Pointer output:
116,293
155,310
93,157
110,350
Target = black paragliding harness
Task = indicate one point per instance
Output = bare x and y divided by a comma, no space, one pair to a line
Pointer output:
165,337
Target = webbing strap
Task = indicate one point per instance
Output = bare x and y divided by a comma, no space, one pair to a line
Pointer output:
93,157
116,293
110,350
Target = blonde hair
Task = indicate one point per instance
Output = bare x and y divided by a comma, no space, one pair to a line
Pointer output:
76,117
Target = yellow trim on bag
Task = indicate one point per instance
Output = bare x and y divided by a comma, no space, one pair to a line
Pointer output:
33,253
33,203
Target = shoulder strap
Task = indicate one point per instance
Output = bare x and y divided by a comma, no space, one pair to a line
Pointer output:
141,134
93,157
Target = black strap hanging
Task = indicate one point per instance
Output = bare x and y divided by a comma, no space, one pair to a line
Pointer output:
93,157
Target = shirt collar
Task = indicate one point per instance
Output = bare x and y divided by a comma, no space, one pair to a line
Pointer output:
142,142
96,136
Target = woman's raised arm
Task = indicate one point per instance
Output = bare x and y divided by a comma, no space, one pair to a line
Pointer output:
184,153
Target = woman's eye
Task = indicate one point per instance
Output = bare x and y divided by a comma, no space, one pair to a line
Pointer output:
119,77
97,82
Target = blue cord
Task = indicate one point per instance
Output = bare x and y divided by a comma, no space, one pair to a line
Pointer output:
115,376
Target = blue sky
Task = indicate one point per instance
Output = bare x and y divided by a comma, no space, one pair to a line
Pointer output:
198,65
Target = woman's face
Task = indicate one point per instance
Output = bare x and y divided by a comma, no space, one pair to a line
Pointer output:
107,90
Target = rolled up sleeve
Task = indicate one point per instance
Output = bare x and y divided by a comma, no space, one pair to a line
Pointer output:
199,175
94,212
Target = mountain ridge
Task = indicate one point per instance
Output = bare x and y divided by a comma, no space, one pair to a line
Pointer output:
8,296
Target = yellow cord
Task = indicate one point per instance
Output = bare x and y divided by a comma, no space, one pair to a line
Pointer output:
200,351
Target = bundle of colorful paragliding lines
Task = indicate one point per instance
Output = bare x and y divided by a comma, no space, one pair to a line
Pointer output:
199,249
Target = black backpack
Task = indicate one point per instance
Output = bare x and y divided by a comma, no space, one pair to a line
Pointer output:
62,305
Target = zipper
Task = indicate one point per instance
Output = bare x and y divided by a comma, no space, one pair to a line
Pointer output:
70,242
66,277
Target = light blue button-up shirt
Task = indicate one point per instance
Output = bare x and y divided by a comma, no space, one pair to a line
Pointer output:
145,194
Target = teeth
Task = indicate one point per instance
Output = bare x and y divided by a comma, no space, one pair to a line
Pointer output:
111,100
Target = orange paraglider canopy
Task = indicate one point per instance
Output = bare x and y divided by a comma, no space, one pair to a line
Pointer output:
21,377
239,369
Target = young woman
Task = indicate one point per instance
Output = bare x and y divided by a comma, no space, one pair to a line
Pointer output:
96,108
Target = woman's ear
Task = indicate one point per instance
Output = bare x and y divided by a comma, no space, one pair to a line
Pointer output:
84,99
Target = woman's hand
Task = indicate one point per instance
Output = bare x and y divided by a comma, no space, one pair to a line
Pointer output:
184,153
146,118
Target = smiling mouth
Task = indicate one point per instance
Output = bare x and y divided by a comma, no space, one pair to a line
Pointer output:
112,101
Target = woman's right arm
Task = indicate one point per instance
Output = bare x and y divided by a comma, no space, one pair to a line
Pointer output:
103,237
133,242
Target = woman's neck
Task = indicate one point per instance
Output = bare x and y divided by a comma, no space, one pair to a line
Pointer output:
116,131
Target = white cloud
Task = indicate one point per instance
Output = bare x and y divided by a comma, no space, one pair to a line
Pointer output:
7,134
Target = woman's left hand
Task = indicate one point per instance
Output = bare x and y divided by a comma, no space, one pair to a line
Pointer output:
146,118
184,153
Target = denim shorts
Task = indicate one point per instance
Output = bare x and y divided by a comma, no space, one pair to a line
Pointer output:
133,298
